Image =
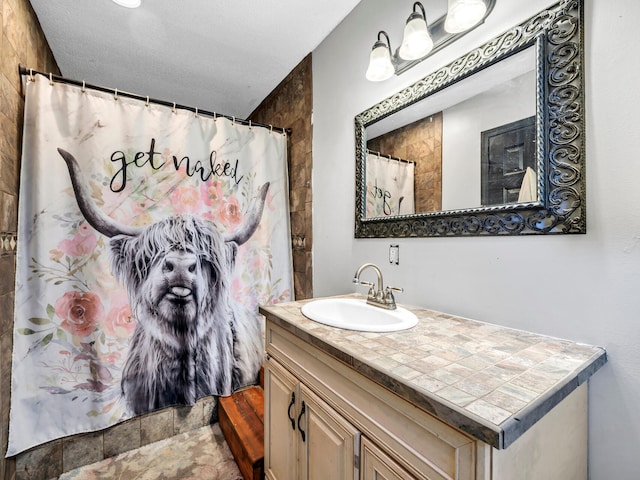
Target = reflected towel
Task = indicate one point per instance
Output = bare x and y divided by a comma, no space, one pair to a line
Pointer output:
529,187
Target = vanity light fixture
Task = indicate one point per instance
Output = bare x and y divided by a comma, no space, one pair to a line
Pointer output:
128,3
464,14
421,40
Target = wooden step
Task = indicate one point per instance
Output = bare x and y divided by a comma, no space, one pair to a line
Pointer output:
241,418
261,376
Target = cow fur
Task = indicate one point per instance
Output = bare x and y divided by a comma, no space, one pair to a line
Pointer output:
191,339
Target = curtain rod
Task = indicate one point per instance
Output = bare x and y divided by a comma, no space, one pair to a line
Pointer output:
384,155
59,79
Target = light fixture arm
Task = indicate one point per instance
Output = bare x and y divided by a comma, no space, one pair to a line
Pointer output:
382,32
418,4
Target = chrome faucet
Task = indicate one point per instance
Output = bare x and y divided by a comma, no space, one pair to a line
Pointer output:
380,297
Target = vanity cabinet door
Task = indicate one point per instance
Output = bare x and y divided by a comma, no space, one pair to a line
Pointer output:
377,465
330,443
304,437
280,430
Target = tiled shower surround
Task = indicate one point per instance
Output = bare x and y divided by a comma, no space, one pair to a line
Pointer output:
290,106
23,43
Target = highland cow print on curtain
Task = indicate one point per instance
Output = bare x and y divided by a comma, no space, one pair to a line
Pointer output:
147,238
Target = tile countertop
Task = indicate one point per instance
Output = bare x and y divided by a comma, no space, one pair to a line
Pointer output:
490,381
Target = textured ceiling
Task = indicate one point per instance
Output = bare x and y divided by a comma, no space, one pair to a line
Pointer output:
218,55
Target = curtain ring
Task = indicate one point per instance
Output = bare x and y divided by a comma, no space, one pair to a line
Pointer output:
249,124
174,107
270,128
50,78
233,121
215,116
84,87
147,103
115,94
31,77
196,114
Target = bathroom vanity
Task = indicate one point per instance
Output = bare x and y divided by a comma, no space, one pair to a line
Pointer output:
450,398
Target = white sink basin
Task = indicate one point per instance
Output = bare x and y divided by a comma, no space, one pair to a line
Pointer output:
356,314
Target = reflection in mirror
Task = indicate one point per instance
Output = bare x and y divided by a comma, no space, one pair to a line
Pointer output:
495,140
471,145
390,185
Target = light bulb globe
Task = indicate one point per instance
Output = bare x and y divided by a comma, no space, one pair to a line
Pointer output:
464,14
380,66
416,42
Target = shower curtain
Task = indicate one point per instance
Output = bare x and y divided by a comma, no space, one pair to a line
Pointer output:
118,199
390,186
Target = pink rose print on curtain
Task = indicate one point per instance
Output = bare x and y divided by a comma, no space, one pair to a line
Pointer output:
212,192
229,212
186,199
80,312
119,321
82,243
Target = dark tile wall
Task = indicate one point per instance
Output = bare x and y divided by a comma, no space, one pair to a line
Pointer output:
52,459
21,43
290,106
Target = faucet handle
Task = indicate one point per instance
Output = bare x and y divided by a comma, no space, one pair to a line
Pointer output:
368,284
389,299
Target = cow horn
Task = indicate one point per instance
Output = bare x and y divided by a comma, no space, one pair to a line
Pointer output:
252,219
92,214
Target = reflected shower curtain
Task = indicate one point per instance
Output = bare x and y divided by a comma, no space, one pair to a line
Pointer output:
147,238
390,186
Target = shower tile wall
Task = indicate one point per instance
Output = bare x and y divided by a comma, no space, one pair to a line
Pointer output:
289,106
21,43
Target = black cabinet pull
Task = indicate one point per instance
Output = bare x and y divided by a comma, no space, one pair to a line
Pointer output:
293,421
299,418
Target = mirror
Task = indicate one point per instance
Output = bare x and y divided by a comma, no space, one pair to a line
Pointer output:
493,110
490,144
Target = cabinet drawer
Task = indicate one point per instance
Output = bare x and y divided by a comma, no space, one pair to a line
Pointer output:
418,442
376,464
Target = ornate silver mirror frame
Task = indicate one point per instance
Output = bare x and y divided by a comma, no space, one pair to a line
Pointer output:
558,33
